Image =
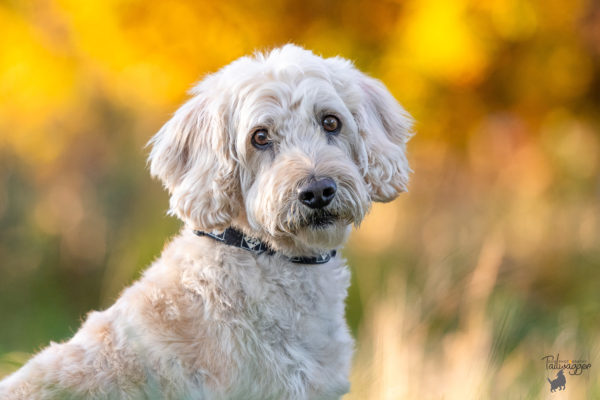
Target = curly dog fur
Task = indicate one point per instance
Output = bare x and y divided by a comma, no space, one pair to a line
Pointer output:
212,321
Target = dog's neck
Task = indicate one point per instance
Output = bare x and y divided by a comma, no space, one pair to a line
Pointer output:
236,238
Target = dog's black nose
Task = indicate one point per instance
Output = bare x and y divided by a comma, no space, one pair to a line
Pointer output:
317,193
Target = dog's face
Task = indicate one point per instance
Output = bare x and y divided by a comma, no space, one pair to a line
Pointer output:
288,146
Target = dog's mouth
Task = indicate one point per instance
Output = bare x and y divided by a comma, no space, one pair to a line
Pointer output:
320,219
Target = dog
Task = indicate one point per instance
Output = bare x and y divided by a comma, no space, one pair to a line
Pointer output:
559,383
269,164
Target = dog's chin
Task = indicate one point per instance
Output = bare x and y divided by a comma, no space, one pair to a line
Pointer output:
323,233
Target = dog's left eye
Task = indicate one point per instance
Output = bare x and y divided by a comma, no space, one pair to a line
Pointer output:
331,124
260,139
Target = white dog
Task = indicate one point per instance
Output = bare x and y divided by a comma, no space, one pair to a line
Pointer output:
268,164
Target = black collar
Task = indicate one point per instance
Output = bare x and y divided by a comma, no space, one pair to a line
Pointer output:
233,237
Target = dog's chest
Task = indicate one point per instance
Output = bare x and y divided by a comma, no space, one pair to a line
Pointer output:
293,336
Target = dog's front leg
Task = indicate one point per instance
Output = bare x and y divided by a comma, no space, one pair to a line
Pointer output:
94,364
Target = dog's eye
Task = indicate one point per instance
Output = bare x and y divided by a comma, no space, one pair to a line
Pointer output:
260,139
331,124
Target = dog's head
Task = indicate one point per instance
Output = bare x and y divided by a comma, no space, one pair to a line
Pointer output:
288,146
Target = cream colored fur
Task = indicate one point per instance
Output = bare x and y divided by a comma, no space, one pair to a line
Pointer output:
211,321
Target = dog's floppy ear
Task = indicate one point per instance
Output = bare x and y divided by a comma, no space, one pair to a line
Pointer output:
385,127
192,155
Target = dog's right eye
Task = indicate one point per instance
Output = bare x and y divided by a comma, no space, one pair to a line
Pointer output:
260,139
331,124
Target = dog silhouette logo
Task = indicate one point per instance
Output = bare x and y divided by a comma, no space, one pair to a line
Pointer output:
558,383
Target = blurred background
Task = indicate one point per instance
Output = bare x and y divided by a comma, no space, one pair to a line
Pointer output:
490,262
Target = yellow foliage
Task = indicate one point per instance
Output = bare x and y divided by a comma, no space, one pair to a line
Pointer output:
439,39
